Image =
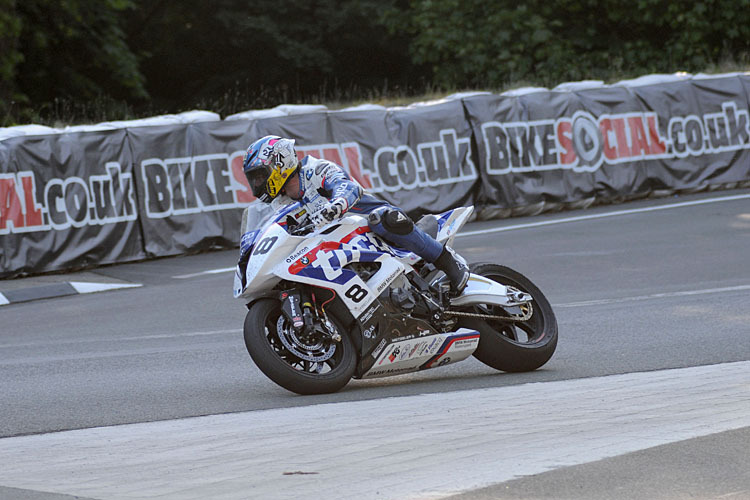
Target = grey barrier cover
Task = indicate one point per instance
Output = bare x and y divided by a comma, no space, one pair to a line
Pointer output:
418,158
67,201
191,186
548,149
190,198
88,198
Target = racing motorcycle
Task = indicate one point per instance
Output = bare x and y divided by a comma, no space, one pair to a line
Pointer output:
337,302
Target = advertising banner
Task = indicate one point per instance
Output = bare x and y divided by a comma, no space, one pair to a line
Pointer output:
67,201
544,149
80,199
190,197
418,158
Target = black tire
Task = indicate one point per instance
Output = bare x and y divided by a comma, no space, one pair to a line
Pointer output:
285,368
514,346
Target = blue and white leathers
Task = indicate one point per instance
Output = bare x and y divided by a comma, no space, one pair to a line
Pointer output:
322,181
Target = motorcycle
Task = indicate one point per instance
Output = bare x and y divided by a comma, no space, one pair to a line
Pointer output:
337,302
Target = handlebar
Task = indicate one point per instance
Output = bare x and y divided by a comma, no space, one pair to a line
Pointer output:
303,229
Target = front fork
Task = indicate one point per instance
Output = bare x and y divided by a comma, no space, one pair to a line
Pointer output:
304,316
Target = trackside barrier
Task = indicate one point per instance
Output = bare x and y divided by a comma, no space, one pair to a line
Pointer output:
123,191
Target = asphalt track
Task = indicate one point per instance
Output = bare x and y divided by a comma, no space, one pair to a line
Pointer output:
639,287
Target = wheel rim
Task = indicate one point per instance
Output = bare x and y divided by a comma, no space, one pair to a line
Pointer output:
315,354
527,332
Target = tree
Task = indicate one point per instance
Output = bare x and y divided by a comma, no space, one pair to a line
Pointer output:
10,57
67,49
479,43
232,54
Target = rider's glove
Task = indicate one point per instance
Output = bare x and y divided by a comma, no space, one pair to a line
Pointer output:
332,210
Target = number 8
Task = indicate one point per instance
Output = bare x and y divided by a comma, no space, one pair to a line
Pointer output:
356,293
265,245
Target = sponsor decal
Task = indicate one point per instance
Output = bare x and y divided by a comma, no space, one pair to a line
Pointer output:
322,168
391,371
386,353
368,314
444,361
378,349
296,255
423,349
369,333
247,240
435,342
584,142
417,346
394,354
405,352
464,343
388,280
398,339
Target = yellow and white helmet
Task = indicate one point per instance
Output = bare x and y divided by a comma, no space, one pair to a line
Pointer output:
268,164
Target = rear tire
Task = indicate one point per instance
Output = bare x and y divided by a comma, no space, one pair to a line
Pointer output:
514,346
287,368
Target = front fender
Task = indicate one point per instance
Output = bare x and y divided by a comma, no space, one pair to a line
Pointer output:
269,294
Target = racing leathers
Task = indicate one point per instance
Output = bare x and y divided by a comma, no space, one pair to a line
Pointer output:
328,192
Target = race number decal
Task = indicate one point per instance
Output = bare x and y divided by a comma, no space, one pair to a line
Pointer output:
265,245
356,293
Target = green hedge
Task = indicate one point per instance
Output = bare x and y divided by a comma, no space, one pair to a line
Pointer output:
491,43
93,60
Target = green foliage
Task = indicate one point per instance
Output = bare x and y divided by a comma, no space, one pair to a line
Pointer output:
237,55
10,57
480,43
94,60
67,49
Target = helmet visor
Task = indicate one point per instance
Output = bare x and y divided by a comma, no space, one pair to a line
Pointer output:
257,178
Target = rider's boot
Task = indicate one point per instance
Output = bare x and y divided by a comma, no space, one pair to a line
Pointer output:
456,271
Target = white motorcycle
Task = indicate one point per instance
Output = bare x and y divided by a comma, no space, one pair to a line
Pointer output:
337,302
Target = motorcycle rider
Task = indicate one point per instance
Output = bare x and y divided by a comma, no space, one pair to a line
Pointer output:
272,169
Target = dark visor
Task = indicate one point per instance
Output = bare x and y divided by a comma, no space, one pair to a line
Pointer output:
257,179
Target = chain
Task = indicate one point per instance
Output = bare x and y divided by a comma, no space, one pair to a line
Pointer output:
515,317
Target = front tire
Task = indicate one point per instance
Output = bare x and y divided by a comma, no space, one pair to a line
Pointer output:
291,362
514,346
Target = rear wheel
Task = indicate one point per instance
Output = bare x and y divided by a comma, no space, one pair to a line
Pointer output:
305,364
513,346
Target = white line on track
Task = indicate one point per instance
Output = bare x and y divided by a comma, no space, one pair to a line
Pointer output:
210,271
653,296
544,223
603,215
421,446
117,339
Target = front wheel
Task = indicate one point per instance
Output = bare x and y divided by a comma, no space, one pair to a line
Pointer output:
513,346
305,364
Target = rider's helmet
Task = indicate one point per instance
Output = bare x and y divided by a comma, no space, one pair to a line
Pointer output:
268,164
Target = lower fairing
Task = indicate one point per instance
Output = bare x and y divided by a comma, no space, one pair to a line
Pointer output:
422,352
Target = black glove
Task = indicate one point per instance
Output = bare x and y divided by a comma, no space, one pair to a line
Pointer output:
332,210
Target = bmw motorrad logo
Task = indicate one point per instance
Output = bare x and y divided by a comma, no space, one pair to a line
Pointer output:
305,261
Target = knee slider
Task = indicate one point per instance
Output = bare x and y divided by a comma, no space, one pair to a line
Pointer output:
392,219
